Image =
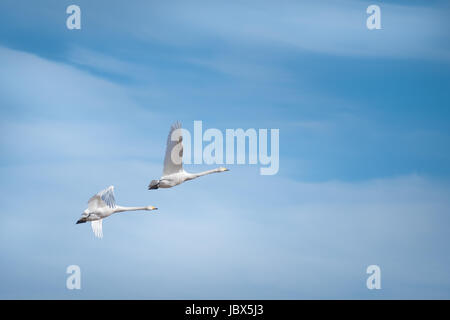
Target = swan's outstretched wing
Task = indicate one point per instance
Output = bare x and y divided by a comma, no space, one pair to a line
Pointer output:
97,228
174,150
102,199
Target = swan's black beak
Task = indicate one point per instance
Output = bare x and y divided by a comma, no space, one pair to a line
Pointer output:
82,220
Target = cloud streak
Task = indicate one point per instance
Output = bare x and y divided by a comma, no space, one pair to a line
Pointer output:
356,186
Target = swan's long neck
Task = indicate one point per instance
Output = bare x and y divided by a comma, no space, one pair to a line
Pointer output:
122,209
190,176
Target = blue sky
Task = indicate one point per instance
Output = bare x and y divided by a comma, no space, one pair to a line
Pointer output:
363,117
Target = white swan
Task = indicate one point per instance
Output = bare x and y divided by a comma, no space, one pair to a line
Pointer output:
103,205
173,173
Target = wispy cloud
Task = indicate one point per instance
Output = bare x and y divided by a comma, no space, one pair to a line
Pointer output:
50,106
325,27
352,134
311,240
101,62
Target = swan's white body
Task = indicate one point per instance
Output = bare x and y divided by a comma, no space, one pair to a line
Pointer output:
173,172
101,206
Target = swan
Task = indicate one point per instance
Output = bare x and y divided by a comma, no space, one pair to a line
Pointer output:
103,205
173,172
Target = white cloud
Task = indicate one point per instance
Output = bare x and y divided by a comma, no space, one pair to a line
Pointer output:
232,236
53,110
238,235
336,28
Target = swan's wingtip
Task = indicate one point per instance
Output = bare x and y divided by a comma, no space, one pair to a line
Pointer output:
176,125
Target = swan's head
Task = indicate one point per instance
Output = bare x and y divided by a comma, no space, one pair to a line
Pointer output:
84,216
150,208
221,169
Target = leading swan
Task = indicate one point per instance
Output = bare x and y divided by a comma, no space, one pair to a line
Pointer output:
173,172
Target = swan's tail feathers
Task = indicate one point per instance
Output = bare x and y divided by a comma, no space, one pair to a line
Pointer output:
153,185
